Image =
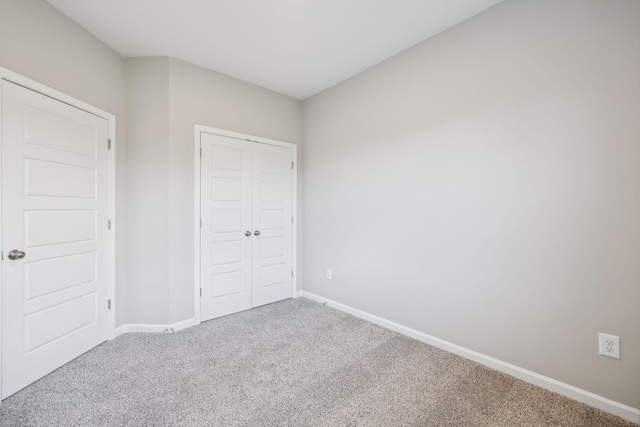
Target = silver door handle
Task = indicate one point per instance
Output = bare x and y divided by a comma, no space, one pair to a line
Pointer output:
257,232
247,233
16,254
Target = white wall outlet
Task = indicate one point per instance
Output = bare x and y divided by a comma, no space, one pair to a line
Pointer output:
609,345
329,274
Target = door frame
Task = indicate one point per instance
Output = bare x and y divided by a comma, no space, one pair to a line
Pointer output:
27,83
199,129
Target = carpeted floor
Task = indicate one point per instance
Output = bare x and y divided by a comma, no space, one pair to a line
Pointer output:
293,363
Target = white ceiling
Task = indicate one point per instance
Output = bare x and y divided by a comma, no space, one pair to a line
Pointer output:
294,47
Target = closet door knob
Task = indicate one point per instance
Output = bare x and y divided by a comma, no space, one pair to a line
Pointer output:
247,233
257,232
16,254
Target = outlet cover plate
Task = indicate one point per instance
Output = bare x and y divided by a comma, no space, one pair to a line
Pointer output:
609,345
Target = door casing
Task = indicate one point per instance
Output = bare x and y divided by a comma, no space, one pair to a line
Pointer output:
27,83
196,220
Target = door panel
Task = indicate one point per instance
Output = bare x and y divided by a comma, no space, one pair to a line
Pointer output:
59,132
57,274
225,264
272,213
71,181
54,208
42,228
53,323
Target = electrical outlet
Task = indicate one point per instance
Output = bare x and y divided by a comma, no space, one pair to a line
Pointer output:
329,274
609,345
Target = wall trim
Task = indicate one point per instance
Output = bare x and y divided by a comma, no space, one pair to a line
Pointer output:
155,329
616,408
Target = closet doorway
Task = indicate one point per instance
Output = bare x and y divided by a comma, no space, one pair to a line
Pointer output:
246,193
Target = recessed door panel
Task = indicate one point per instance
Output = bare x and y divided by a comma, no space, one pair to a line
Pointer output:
223,253
272,219
54,209
59,132
226,284
271,247
52,275
71,181
272,275
226,221
226,189
56,227
271,163
58,321
226,158
272,191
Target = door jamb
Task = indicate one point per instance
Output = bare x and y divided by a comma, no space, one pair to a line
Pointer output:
199,129
27,83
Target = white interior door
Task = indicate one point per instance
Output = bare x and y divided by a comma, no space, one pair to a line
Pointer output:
272,218
246,235
225,207
54,212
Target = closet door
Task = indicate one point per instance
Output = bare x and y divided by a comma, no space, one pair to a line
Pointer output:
272,224
226,233
246,236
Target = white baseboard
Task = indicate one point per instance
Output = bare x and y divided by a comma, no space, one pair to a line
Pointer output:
155,329
122,329
624,411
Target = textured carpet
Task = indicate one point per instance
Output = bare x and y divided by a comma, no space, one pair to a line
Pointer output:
295,363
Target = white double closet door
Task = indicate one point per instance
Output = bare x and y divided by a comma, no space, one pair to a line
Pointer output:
247,225
54,234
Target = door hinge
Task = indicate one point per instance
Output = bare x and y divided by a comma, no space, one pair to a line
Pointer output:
291,273
109,144
108,304
291,165
109,224
201,153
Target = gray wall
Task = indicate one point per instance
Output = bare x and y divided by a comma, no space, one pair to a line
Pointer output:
39,42
482,187
167,98
148,162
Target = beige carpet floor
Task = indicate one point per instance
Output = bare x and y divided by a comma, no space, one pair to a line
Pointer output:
293,363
